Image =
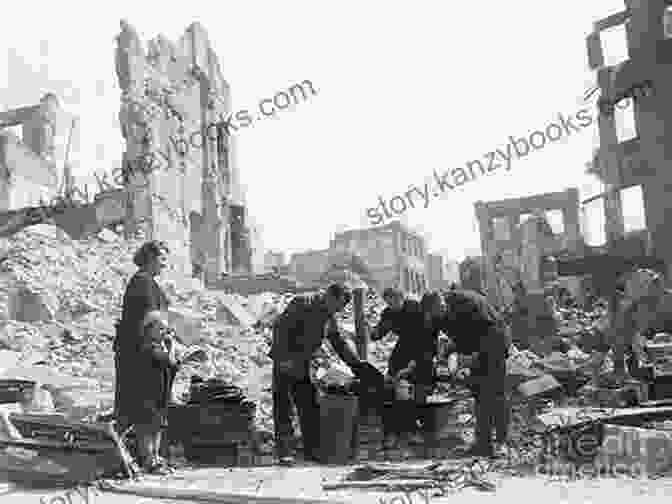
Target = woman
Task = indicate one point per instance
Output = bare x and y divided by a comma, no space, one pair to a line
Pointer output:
145,369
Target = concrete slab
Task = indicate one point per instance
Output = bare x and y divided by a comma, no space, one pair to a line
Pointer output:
232,310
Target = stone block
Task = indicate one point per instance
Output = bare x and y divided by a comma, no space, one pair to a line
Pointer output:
538,386
232,311
26,305
108,236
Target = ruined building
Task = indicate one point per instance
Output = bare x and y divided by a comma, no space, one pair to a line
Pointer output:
174,99
28,171
643,160
514,248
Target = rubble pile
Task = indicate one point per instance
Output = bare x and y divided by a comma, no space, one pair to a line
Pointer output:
439,478
582,328
60,298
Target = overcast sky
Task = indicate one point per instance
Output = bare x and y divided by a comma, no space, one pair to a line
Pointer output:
404,88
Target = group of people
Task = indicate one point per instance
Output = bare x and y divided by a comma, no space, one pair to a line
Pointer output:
146,361
475,328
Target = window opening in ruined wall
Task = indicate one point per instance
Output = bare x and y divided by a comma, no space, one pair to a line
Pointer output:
634,218
624,118
556,220
667,22
501,229
614,43
593,222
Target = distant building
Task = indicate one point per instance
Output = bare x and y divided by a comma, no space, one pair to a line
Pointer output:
273,261
435,271
395,256
472,273
308,267
451,271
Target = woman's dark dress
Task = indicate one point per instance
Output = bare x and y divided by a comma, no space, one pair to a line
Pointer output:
144,373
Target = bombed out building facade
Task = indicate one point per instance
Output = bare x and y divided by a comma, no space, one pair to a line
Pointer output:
179,161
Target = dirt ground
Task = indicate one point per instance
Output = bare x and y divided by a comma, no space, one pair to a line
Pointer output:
307,482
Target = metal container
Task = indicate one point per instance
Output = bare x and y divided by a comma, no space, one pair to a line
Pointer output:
404,390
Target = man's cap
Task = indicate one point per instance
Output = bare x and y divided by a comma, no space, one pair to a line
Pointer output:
339,290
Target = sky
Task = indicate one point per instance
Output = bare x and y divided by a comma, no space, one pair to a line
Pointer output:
403,89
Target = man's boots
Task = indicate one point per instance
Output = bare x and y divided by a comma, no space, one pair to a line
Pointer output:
284,452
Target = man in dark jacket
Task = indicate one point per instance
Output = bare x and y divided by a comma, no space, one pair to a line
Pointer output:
404,318
478,332
298,332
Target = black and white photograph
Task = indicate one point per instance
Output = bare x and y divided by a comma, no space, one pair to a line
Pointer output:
306,252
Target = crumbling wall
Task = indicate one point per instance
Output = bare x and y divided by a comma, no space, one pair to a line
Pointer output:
644,78
516,256
173,95
28,173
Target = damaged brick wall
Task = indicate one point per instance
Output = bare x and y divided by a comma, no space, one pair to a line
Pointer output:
516,254
173,92
644,159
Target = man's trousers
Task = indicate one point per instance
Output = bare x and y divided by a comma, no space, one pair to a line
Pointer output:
300,391
402,417
491,406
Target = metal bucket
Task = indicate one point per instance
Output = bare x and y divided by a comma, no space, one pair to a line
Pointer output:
403,390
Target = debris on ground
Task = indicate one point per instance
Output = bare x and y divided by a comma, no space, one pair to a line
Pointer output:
60,299
440,477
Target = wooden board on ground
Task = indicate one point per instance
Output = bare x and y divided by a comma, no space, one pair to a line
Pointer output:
261,486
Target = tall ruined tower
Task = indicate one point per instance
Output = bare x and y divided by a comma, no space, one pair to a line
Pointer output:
645,77
178,164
